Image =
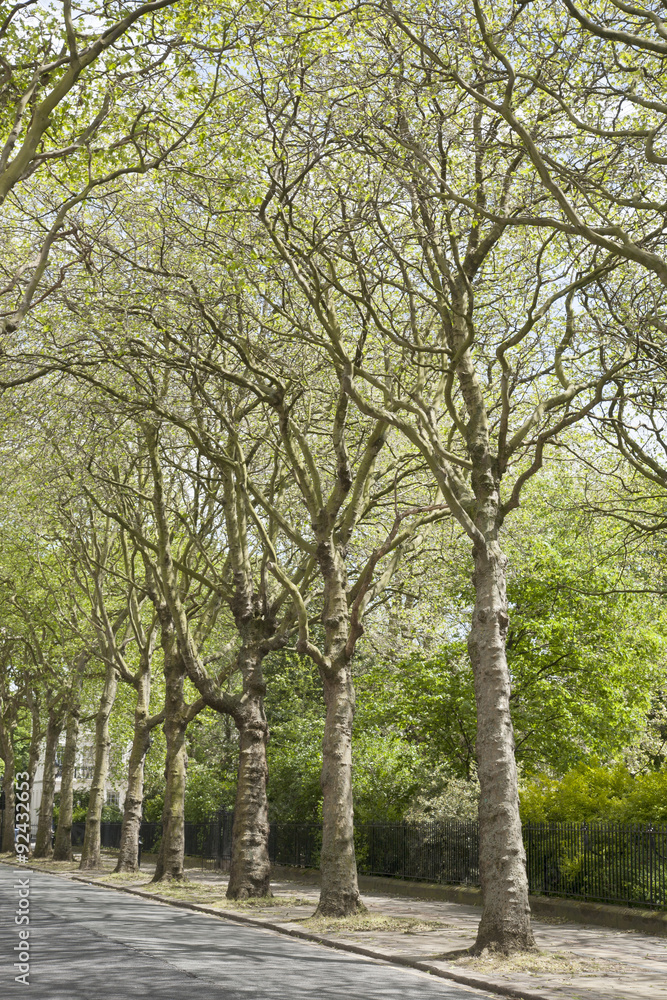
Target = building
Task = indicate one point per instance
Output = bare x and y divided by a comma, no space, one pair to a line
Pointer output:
83,774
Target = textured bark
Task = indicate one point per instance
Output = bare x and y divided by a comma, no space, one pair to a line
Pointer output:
250,866
36,736
505,924
43,846
128,855
90,853
62,850
7,723
339,893
9,790
170,860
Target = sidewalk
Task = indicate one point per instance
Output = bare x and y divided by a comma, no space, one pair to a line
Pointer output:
574,962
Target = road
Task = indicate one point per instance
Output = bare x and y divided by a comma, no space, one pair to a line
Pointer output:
88,943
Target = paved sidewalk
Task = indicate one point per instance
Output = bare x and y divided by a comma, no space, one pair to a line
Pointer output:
575,962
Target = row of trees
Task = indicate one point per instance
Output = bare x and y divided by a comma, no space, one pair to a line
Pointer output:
303,284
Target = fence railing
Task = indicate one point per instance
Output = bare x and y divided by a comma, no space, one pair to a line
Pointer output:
600,862
210,840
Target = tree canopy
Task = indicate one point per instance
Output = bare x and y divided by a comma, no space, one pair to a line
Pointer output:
332,421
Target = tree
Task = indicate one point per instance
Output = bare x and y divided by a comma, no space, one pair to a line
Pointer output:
340,500
87,99
399,276
584,653
582,92
62,848
10,697
55,709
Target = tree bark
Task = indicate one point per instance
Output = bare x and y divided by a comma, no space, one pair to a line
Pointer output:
43,847
8,713
62,850
250,871
170,860
339,893
8,788
91,851
250,866
36,735
128,856
505,924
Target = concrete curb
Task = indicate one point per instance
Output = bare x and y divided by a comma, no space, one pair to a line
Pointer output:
625,918
463,980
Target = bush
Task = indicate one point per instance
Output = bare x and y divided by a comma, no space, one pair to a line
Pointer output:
80,802
593,792
205,791
153,806
295,761
112,814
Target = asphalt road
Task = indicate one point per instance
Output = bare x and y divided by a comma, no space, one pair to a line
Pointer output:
88,943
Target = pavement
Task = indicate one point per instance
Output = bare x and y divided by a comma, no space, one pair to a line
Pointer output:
417,936
92,943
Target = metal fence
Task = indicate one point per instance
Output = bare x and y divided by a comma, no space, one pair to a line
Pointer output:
600,862
211,839
603,862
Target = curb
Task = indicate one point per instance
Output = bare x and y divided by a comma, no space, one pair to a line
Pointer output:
578,911
462,980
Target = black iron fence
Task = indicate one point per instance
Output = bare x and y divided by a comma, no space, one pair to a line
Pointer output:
600,862
211,840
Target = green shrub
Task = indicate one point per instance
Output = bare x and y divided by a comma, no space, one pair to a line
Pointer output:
112,814
205,792
591,792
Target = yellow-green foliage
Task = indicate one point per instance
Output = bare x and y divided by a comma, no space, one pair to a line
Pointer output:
593,792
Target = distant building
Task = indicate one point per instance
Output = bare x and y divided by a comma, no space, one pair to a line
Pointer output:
83,774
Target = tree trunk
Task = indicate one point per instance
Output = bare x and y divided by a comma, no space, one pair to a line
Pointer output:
250,867
250,871
63,846
505,923
36,735
170,860
43,846
128,857
340,889
8,787
339,894
91,851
